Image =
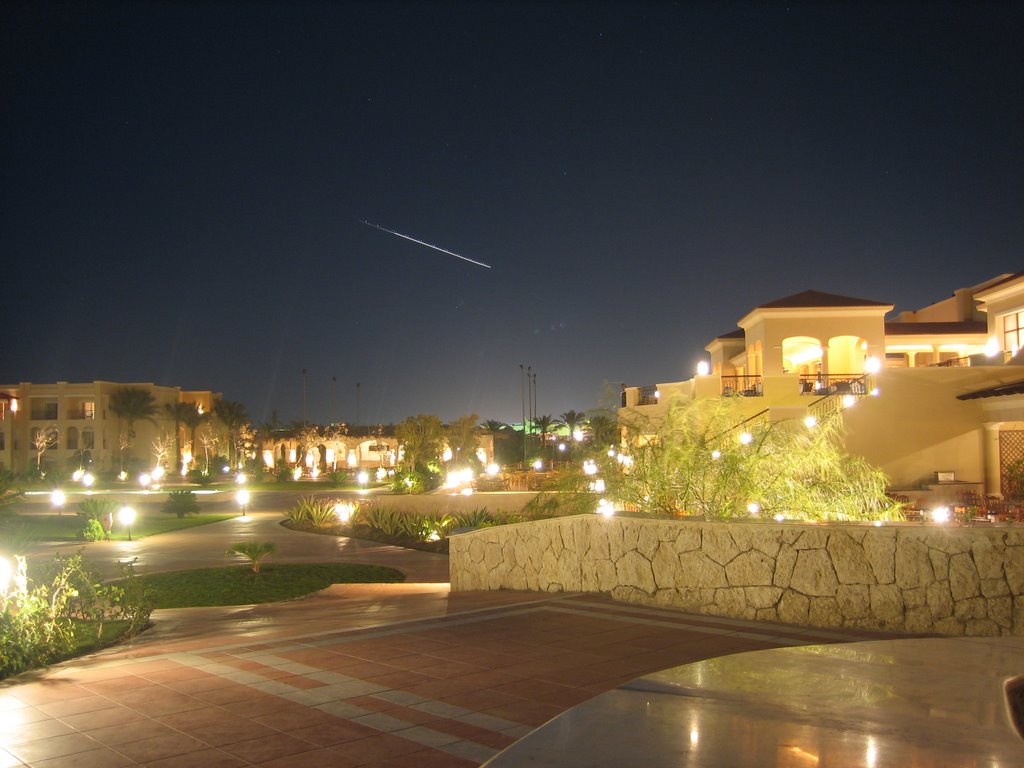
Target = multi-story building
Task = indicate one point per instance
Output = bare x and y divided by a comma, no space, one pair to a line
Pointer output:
74,425
933,397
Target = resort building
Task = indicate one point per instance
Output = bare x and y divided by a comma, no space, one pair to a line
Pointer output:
68,425
933,397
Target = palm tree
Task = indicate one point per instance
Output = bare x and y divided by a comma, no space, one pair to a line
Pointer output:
192,417
254,550
573,420
177,412
544,425
130,404
604,430
233,416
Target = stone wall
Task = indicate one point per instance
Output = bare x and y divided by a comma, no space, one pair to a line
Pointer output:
922,579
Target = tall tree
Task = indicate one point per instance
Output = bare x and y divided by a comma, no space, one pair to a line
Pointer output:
604,430
130,404
464,438
574,421
421,437
177,412
192,417
233,416
544,425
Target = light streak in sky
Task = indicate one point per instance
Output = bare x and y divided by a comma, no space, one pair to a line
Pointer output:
436,248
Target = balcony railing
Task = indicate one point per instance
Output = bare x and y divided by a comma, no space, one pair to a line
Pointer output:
824,384
956,362
745,386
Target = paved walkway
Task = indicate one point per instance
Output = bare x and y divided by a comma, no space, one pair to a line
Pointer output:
386,675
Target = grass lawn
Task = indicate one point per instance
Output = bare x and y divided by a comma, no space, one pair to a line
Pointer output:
240,586
66,527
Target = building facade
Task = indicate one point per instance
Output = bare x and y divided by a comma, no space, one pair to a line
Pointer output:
68,425
934,397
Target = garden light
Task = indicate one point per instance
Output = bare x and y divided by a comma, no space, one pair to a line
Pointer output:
810,422
589,467
561,447
57,498
577,435
872,365
605,508
746,438
382,474
240,478
145,480
849,401
538,465
88,480
363,477
344,510
122,475
242,497
297,473
126,516
716,454
77,475
940,515
157,473
753,508
493,470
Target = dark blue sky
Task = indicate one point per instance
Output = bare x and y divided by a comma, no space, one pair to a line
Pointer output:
183,185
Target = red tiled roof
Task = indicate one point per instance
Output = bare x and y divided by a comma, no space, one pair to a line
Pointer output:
820,299
913,329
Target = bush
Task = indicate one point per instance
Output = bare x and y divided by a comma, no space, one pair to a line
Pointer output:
337,478
42,618
317,512
96,509
199,477
93,530
181,503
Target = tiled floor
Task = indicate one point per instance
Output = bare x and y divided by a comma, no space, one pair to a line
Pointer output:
358,675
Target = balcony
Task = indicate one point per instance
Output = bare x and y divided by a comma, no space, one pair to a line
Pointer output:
745,386
824,384
647,396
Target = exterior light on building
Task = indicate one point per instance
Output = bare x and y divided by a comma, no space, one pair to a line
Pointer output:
703,368
940,515
14,404
126,516
329,456
363,477
268,459
746,438
353,459
810,422
991,350
872,365
657,394
589,467
57,498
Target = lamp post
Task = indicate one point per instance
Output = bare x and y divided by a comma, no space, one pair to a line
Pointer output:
242,497
126,516
522,396
304,373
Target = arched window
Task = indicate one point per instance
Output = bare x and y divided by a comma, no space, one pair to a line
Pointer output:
72,438
88,439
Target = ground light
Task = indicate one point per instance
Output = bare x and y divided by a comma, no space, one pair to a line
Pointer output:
126,516
57,498
242,497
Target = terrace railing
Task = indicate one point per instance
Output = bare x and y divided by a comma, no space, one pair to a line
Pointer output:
824,384
745,386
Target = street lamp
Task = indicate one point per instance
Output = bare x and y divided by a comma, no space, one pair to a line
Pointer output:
57,498
126,516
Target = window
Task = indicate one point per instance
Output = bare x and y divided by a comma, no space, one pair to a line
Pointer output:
88,440
1013,332
72,439
44,408
89,410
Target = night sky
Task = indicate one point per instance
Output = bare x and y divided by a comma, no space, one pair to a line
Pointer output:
184,185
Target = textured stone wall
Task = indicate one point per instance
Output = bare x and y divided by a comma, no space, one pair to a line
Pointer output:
952,581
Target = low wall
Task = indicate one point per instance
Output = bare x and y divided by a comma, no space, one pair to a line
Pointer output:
921,579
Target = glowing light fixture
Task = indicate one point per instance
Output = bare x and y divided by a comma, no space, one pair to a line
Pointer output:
991,350
126,516
57,498
605,508
589,467
849,401
872,365
810,422
344,511
363,477
538,465
753,508
940,515
242,498
145,480
88,479
703,368
716,454
746,438
493,470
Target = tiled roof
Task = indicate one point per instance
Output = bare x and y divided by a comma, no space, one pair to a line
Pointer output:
820,299
914,329
1017,388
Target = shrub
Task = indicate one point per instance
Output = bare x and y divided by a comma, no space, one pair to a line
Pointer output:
254,550
475,518
181,503
96,509
199,477
92,530
317,512
337,479
40,617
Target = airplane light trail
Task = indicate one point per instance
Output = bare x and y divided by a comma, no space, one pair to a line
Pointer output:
436,248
